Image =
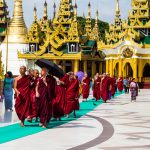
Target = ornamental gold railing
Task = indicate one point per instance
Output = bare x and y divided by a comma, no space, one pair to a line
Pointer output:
146,79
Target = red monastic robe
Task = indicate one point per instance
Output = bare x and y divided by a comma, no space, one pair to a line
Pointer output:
22,103
51,94
86,88
120,84
105,88
96,89
47,94
113,86
60,100
33,99
72,95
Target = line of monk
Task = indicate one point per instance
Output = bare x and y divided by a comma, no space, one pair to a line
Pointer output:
48,96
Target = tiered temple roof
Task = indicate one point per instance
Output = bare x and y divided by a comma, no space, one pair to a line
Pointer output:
136,29
63,33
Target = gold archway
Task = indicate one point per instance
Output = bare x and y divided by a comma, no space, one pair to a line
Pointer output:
146,70
116,69
127,70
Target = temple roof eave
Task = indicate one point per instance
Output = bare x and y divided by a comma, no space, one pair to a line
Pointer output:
68,56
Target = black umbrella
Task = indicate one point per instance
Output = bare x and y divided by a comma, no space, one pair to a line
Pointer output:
52,67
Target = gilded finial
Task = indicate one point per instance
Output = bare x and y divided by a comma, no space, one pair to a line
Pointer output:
45,4
75,11
35,13
89,10
97,14
17,21
83,15
54,7
45,11
117,8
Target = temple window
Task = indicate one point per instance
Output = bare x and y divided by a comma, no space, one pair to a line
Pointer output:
32,48
72,48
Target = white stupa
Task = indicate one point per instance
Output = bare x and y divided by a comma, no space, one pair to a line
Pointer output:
15,40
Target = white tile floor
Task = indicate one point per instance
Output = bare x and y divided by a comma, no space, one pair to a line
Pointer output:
131,123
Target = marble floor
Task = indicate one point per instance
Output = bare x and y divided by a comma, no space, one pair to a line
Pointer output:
117,125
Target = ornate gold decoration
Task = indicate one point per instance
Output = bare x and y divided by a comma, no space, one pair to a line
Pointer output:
95,31
88,25
127,52
17,29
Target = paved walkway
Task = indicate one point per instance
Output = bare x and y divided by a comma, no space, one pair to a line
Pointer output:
118,125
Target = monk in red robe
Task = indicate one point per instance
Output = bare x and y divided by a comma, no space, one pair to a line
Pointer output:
60,100
44,89
105,87
22,90
85,87
72,95
120,84
109,86
51,94
33,99
113,86
96,87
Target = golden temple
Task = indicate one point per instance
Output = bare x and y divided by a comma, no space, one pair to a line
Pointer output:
63,41
127,45
125,50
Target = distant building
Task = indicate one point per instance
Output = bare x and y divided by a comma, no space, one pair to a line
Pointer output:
127,45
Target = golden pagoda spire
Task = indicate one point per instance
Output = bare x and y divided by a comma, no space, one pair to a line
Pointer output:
74,32
54,13
45,11
117,9
95,31
88,25
89,10
17,29
75,11
64,15
117,18
35,13
96,20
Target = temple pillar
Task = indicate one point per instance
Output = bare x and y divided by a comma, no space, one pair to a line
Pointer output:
76,66
120,68
100,67
64,65
107,66
140,70
93,68
124,71
85,66
127,71
135,69
111,68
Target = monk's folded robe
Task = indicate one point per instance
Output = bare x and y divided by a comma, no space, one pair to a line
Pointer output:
86,88
96,89
72,94
22,103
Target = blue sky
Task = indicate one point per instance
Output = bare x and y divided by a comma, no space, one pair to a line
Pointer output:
106,8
